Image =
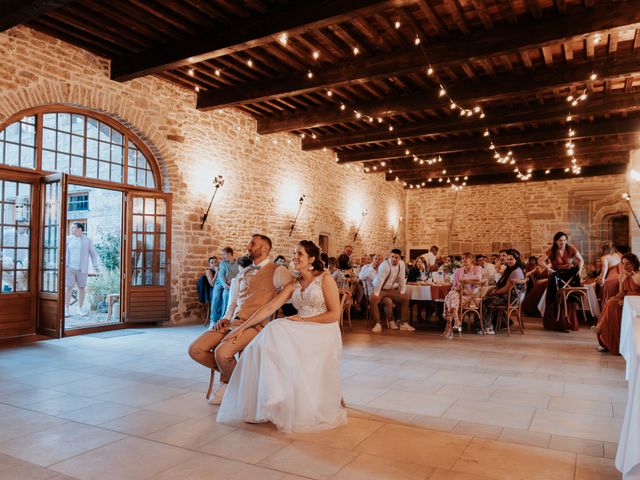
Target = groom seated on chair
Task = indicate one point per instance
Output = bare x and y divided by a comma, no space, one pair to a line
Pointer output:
262,281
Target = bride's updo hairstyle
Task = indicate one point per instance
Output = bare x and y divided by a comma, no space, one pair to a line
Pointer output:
313,251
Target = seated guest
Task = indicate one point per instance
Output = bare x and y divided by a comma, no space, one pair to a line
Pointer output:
430,257
499,296
344,259
280,260
418,271
461,294
205,282
501,263
608,327
608,279
488,269
595,270
234,303
437,265
261,284
532,263
562,259
446,261
389,287
536,285
369,272
494,259
338,275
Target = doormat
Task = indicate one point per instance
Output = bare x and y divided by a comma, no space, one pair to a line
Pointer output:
115,333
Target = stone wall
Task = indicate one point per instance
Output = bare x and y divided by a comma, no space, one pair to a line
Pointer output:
265,175
483,219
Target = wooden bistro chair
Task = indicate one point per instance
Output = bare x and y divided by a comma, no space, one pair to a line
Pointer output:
474,306
513,306
345,307
565,291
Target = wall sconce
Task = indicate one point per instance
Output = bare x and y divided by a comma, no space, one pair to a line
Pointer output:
364,214
627,197
395,235
218,181
295,220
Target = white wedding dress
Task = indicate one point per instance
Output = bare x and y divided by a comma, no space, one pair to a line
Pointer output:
290,373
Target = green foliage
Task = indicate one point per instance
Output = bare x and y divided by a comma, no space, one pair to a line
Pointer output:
102,285
108,249
452,266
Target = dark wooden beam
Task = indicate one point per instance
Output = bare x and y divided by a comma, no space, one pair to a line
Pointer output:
467,93
561,162
538,176
15,12
596,106
605,18
600,148
602,128
295,19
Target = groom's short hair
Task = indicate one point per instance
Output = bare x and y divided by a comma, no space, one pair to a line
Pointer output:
264,238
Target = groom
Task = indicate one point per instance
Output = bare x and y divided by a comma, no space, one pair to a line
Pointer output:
262,281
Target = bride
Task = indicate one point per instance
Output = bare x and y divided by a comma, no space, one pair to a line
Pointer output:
289,374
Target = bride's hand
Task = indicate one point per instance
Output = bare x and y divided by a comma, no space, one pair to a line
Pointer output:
294,318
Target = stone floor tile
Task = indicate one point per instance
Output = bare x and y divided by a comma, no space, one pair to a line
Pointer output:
316,461
191,434
505,461
368,467
208,467
489,413
414,403
595,468
581,405
593,448
142,422
437,449
525,437
478,430
245,446
590,427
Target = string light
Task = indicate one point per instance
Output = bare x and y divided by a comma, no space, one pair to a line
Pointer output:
397,25
191,72
197,88
310,74
250,63
283,39
217,72
316,55
356,50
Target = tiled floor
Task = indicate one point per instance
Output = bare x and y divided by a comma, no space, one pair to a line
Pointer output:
539,406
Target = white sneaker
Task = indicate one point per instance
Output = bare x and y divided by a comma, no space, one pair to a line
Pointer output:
217,397
489,331
393,325
377,328
407,328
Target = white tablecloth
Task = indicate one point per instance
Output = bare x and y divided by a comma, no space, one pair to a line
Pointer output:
428,292
628,456
594,305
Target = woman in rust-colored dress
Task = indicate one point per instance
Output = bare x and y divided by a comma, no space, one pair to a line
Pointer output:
608,279
536,285
608,328
562,257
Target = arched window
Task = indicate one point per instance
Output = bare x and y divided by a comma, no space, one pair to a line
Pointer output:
77,142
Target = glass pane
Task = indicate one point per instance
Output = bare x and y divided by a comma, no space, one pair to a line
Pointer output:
92,128
148,224
22,281
12,155
137,223
105,131
27,134
92,168
77,124
12,133
76,166
50,237
92,148
27,157
149,206
162,242
15,212
49,120
149,242
116,137
138,204
48,161
117,154
77,145
64,122
64,142
48,139
116,173
104,151
103,171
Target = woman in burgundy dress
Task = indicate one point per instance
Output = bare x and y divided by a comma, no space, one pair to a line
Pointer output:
562,257
537,280
608,279
608,328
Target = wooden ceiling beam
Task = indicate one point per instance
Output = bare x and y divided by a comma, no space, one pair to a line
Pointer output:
602,128
559,161
15,12
557,174
498,118
604,18
292,20
466,93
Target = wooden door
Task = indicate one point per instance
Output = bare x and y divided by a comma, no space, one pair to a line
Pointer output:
147,269
18,253
53,232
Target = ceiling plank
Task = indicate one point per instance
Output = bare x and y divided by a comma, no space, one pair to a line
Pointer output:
15,12
467,92
293,20
597,106
602,147
600,128
503,41
558,174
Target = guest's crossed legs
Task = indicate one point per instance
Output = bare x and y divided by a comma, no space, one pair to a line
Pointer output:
211,350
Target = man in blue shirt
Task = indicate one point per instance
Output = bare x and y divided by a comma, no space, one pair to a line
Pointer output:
227,270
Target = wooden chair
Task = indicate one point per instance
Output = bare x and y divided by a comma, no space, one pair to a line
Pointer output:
565,292
367,304
514,305
474,305
345,307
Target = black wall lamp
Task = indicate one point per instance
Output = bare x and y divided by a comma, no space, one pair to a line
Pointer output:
295,220
218,181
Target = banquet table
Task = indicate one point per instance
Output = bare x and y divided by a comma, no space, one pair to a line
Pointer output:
428,291
628,455
594,305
